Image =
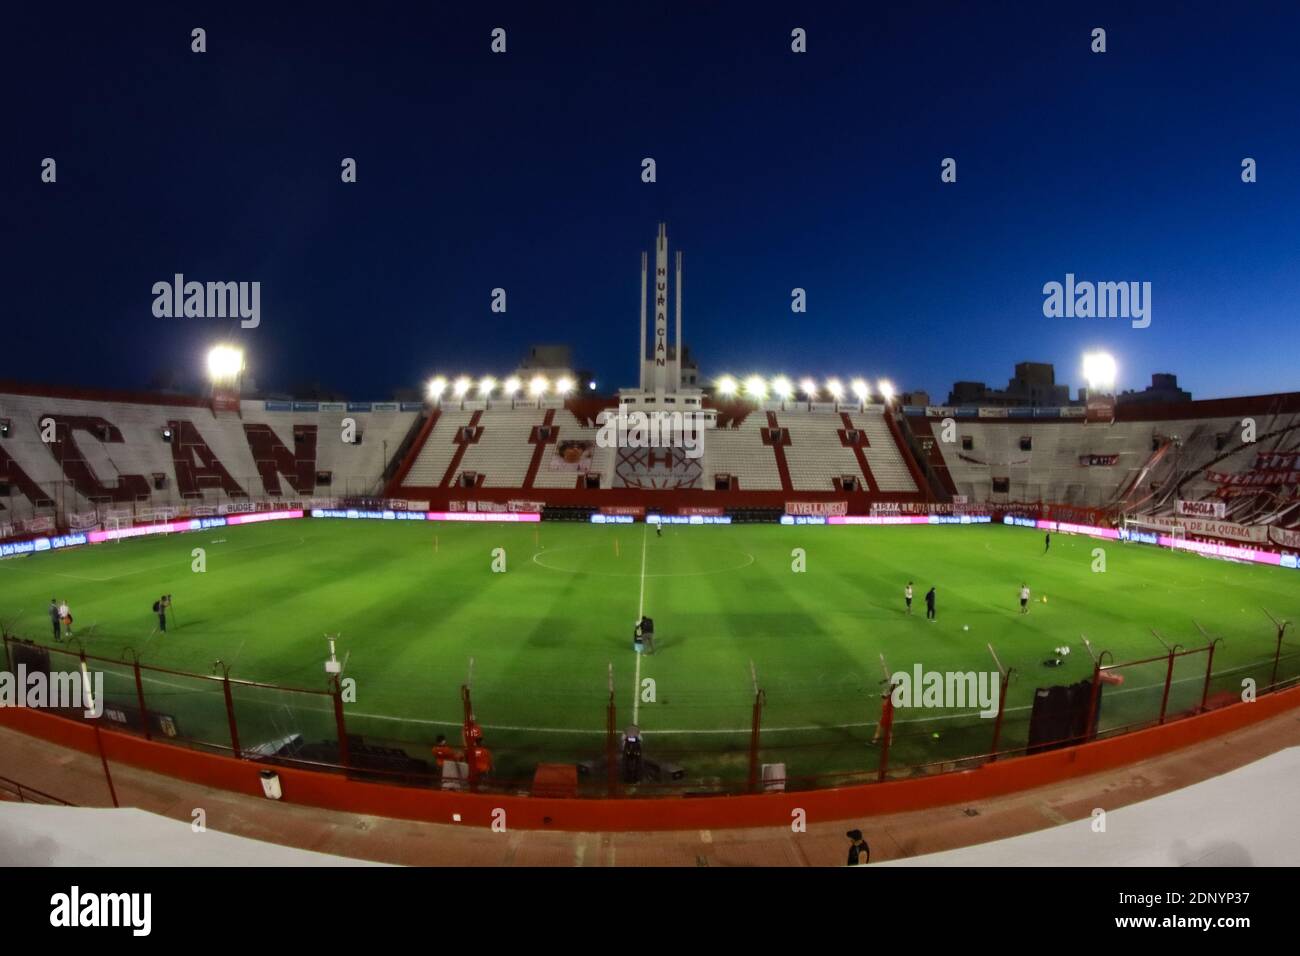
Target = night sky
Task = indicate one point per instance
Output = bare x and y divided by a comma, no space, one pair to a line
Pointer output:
775,170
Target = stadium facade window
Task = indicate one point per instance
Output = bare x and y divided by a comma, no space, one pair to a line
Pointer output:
324,478
1001,486
1026,443
967,442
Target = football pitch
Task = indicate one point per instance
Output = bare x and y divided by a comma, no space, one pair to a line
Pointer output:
420,611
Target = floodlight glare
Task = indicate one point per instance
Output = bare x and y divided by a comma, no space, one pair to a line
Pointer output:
886,389
782,388
537,387
727,385
512,385
755,387
809,387
461,386
563,385
860,389
835,388
1100,371
486,385
225,363
437,385
591,386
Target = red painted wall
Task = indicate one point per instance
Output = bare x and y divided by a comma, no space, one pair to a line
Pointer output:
336,792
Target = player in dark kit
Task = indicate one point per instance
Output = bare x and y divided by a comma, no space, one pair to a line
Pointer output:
1047,542
54,619
929,604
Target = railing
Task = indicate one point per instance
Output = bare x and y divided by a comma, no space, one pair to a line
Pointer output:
26,794
737,736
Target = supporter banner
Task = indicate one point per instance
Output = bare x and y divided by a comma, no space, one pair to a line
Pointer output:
279,406
529,506
959,499
1098,461
574,455
816,507
1285,538
993,413
333,406
1278,461
1253,479
412,406
358,406
939,411
700,510
1071,411
476,506
1202,509
387,406
306,406
37,524
1212,529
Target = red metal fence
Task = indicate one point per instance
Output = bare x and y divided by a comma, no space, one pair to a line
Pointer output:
594,748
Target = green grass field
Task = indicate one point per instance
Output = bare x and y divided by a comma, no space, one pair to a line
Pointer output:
414,602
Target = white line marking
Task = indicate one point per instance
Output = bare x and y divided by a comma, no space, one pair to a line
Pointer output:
640,612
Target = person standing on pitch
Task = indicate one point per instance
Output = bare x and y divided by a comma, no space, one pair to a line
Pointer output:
1047,542
929,604
659,529
1024,599
907,596
160,608
65,616
55,620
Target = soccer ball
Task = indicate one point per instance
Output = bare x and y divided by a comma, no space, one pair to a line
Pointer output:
965,627
1044,598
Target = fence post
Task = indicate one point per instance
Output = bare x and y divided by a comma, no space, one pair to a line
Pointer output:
1209,669
1092,702
470,740
1002,704
336,691
139,695
755,726
611,740
886,727
1277,653
1169,676
230,712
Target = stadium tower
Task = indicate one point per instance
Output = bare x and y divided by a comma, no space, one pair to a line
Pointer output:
660,362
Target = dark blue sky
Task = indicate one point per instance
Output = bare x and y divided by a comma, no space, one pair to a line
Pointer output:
775,170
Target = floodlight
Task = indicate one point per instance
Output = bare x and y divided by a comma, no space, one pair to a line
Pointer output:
486,385
727,386
809,387
1100,371
755,387
886,389
591,386
860,389
225,362
782,388
512,385
537,387
461,386
563,385
836,388
437,385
